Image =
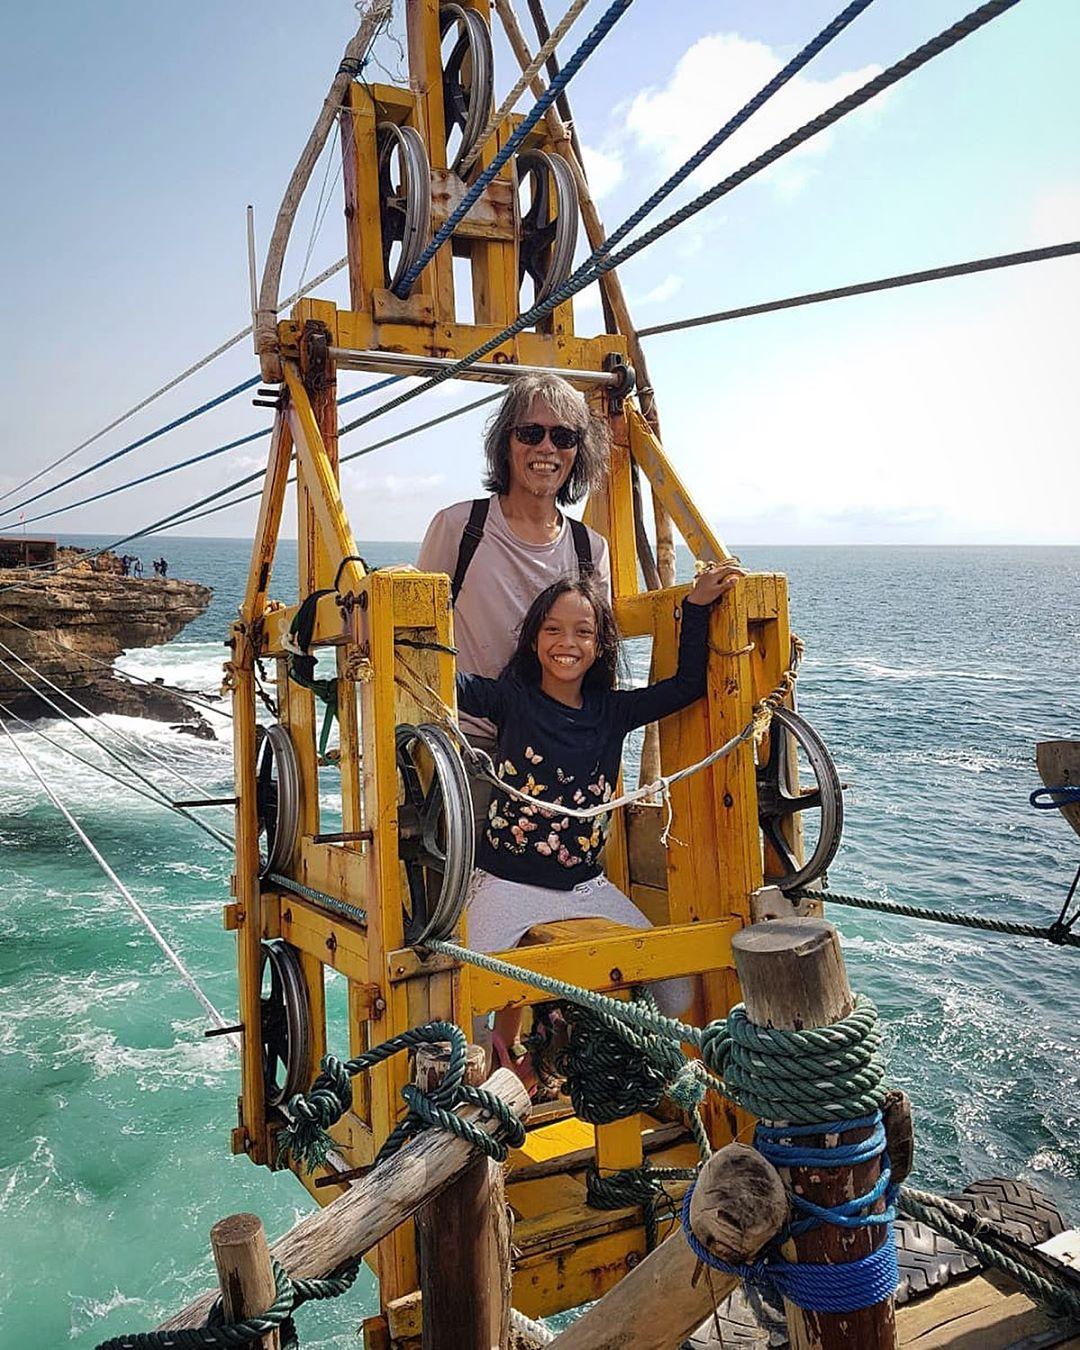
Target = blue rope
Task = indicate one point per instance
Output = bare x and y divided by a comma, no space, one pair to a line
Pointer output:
370,389
197,459
148,477
592,40
842,1287
812,48
135,445
768,1140
1055,797
913,61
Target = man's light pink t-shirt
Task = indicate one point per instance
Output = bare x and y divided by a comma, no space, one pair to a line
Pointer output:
504,578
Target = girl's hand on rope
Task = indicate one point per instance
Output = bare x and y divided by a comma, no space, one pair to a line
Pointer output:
714,580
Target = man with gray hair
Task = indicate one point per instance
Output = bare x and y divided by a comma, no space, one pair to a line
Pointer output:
543,449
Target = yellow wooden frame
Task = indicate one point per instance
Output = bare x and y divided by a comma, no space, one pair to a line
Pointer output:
700,897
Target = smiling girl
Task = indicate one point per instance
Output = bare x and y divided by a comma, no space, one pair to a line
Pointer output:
561,724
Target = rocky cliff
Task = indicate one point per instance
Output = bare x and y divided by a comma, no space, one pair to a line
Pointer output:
70,625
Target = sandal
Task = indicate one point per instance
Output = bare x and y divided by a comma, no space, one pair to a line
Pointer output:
518,1060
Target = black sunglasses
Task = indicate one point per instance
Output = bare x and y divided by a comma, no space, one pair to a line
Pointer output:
562,438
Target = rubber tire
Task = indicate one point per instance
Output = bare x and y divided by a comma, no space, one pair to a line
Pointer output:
928,1260
1020,1209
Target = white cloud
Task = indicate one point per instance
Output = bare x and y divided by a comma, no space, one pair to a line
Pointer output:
1055,214
671,285
712,80
394,485
604,169
940,426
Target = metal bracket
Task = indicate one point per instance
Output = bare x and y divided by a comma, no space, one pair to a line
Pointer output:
616,364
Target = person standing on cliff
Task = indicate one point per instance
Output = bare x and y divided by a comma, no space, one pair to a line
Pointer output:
137,567
543,449
164,568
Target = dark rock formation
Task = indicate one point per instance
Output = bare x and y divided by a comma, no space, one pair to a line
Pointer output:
71,624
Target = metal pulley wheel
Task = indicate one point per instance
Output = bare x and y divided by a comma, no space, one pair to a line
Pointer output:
468,78
285,1022
549,224
277,797
791,737
404,197
436,834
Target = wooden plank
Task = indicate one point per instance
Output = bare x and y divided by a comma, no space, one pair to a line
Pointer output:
647,954
379,1203
559,1154
344,871
335,942
249,900
357,331
413,609
425,76
702,542
980,1312
271,506
360,174
316,470
491,217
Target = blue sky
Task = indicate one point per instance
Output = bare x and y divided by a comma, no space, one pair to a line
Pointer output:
136,134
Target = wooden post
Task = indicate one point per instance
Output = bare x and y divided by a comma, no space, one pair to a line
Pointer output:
464,1240
372,1208
739,1203
243,1265
793,978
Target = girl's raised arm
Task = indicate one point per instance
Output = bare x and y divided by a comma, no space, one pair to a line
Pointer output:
637,707
481,697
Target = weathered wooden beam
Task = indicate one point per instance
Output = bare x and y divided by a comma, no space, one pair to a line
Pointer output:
243,1265
392,1192
793,978
464,1239
739,1203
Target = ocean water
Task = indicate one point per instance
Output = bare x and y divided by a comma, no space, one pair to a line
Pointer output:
930,672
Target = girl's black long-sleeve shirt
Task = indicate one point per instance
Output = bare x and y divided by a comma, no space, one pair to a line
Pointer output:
568,757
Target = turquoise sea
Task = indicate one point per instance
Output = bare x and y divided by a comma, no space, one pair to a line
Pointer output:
931,673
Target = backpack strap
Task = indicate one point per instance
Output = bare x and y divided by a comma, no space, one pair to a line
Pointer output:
470,542
583,549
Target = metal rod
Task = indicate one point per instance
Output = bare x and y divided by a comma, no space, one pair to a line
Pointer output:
340,1178
209,801
224,1031
252,277
348,837
393,363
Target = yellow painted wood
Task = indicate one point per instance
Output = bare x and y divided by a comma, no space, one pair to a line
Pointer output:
612,509
700,538
360,175
551,1141
358,331
348,764
546,1284
297,712
315,468
248,898
333,941
618,1145
268,526
414,611
341,870
425,76
624,959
